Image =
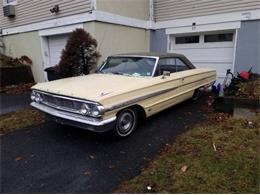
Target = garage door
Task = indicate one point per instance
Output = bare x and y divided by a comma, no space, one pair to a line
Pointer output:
213,50
56,45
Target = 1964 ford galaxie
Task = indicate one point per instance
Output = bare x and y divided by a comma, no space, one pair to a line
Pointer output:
125,88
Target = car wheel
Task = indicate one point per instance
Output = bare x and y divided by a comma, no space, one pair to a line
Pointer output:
197,94
126,122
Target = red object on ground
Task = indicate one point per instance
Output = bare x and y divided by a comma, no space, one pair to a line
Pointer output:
245,75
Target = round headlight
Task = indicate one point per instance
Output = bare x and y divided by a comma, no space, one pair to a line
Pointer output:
96,111
84,109
38,97
33,96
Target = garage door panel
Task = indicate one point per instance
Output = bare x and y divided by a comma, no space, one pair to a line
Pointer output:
216,55
212,54
56,45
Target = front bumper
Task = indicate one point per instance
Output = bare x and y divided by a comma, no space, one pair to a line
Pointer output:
67,118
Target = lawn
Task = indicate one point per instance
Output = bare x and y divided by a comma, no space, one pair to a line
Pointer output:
219,156
20,119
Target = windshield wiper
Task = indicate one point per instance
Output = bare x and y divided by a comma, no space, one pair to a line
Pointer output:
118,73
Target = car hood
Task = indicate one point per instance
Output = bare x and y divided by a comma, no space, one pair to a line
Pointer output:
94,87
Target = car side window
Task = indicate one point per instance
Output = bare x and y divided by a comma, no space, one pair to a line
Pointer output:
180,65
170,65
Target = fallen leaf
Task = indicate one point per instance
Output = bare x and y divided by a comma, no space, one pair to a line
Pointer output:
18,158
184,168
87,173
92,157
214,146
111,166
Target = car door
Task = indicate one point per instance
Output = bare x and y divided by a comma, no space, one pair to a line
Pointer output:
169,79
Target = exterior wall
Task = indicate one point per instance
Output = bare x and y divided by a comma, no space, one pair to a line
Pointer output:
1,45
111,39
26,44
114,39
175,9
158,41
248,47
28,11
131,8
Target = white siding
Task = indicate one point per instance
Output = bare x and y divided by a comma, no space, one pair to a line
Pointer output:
174,9
30,11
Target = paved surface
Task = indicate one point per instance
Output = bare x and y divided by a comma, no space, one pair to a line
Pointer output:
51,158
10,103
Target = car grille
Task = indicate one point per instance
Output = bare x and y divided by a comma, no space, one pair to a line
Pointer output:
60,103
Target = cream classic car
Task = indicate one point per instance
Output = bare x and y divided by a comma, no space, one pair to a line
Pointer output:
126,88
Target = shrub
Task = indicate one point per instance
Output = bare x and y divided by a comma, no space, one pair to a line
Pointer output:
79,56
7,61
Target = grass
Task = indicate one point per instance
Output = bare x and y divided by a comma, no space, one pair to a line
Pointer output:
20,119
192,165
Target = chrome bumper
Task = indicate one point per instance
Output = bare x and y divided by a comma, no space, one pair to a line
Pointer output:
63,117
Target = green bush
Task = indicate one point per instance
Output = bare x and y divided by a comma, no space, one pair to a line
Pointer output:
79,56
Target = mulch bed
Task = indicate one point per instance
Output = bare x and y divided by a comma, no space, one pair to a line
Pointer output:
17,89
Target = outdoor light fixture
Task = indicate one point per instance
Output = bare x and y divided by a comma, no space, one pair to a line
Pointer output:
193,26
55,9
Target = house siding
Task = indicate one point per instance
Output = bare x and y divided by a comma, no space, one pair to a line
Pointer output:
248,47
31,11
175,9
138,9
114,39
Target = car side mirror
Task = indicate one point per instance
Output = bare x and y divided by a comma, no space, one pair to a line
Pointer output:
165,74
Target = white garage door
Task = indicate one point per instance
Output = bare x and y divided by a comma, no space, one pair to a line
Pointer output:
56,45
209,49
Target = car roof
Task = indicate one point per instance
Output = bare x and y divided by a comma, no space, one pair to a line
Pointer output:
150,54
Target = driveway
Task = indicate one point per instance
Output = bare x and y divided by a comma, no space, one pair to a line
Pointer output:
10,103
51,158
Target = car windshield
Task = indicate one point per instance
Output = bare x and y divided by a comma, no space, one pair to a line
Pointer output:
130,66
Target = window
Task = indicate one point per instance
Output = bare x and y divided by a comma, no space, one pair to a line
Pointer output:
187,39
130,66
171,65
9,2
218,37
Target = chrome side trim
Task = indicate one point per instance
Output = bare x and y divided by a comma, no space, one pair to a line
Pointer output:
71,116
138,99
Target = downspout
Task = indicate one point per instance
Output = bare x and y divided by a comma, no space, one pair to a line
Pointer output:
93,5
151,17
234,52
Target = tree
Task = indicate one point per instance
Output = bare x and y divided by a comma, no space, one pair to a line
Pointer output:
79,56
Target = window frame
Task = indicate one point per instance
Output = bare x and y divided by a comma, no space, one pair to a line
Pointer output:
217,34
5,2
142,56
158,69
185,36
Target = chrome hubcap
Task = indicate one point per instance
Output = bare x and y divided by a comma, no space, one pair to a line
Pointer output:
126,122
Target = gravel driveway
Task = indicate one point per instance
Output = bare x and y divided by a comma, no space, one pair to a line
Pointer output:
51,158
